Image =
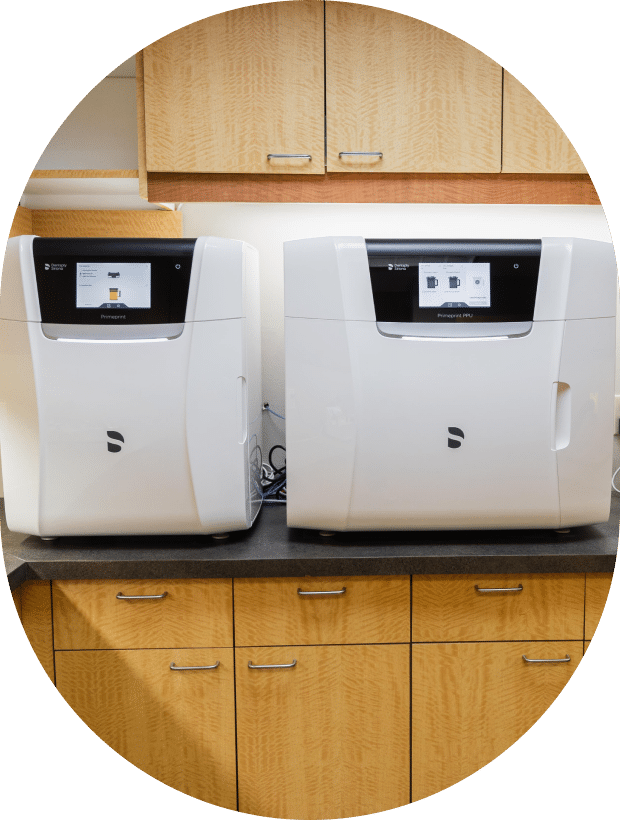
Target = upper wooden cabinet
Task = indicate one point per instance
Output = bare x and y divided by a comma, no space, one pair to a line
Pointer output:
222,94
422,98
533,142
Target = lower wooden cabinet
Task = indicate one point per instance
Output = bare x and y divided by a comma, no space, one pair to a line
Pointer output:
328,737
176,725
471,701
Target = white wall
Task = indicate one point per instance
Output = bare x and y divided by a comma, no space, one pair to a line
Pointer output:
100,132
267,226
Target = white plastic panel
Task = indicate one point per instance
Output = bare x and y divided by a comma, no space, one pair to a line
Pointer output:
328,278
19,300
216,289
368,429
585,465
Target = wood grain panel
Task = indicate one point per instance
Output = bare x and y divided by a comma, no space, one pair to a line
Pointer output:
429,101
270,612
177,726
328,738
448,608
470,702
500,189
17,600
533,142
36,599
22,222
143,185
87,614
597,590
167,224
226,91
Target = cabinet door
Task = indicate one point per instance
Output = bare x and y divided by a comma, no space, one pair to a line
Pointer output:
427,101
177,726
328,737
533,142
471,701
223,93
598,585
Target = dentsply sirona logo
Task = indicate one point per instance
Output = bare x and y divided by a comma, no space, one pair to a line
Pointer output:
452,442
114,448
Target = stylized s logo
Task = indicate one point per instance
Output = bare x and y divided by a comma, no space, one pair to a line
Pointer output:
452,442
114,448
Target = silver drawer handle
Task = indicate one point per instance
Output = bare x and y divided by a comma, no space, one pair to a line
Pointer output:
272,665
499,589
122,597
361,154
546,660
192,668
322,592
289,156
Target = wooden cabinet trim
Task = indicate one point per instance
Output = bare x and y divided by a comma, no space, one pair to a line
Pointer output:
481,189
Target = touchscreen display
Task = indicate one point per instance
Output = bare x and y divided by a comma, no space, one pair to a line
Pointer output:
123,285
454,284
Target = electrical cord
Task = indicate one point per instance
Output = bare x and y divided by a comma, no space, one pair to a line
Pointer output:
273,412
273,479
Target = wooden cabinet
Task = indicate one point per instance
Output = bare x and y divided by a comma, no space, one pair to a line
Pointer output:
328,737
224,93
427,101
277,611
329,704
176,725
471,701
533,142
598,585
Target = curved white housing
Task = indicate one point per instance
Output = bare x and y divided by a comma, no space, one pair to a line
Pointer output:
188,407
368,416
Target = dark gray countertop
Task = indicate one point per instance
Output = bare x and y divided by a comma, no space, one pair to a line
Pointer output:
270,549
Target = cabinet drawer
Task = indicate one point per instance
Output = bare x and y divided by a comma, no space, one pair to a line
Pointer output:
598,585
275,611
89,615
497,607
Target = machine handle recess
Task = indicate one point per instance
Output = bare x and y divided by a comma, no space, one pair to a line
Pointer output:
546,660
122,597
176,668
319,592
499,589
272,665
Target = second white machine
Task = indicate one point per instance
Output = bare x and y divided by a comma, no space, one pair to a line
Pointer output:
449,384
131,386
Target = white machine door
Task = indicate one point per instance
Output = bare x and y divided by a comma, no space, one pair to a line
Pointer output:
112,430
430,433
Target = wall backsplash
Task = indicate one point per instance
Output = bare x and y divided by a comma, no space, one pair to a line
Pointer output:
267,226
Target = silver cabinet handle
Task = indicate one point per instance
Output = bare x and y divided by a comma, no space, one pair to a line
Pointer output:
192,668
546,660
361,154
272,665
322,592
289,156
122,597
499,589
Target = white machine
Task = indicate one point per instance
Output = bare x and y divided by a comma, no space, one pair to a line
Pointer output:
131,386
449,384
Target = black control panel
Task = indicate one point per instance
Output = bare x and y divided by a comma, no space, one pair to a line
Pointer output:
454,280
113,281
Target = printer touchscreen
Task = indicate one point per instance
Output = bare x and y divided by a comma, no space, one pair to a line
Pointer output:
454,284
121,285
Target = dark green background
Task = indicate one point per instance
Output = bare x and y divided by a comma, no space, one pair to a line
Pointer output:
52,54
